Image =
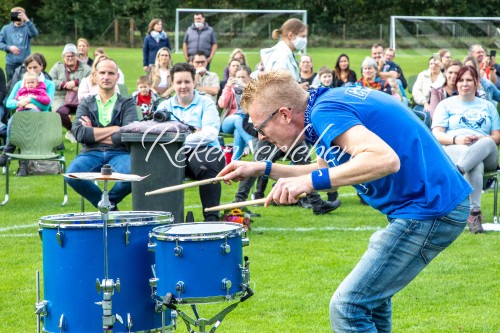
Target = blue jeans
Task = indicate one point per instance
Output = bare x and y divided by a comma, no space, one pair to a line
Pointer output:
92,161
234,124
395,256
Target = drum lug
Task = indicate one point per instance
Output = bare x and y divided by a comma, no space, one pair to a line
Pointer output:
225,248
62,323
245,272
226,284
127,235
245,241
41,308
59,237
180,287
178,251
129,322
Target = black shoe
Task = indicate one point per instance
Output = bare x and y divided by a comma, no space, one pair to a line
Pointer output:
332,196
304,203
211,218
326,207
3,159
23,169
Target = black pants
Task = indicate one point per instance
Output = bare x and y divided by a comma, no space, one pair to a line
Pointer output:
205,163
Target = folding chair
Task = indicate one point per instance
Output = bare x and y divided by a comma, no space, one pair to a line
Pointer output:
36,134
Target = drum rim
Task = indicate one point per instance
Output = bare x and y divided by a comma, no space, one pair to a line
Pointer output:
134,219
200,236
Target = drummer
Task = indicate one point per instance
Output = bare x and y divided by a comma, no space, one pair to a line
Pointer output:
203,154
97,126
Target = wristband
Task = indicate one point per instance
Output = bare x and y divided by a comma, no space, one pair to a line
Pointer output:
321,179
267,172
454,139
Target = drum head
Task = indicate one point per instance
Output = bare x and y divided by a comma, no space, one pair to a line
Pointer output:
94,220
198,231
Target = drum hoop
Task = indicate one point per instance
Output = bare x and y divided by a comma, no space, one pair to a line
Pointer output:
135,220
198,237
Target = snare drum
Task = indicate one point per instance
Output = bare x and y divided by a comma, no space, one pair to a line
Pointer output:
73,259
200,262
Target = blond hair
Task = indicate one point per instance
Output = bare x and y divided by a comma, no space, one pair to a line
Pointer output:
292,25
274,89
29,75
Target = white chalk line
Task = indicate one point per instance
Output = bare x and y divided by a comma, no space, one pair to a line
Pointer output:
303,229
18,226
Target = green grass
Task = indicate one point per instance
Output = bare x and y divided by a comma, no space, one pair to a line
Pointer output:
297,259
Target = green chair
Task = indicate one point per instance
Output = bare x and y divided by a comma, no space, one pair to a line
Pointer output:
123,90
36,134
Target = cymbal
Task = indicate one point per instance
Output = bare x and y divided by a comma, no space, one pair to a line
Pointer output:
115,176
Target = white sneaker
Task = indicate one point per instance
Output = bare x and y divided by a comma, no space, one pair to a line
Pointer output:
250,146
70,137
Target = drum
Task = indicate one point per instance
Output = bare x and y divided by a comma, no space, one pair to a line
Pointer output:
200,262
73,261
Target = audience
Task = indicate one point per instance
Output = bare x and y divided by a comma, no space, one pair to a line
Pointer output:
97,127
239,55
307,75
155,40
232,116
145,98
370,78
445,57
325,77
204,157
486,89
448,88
19,72
468,127
67,75
31,91
422,88
100,51
83,51
485,67
88,85
207,83
159,76
200,37
389,55
343,75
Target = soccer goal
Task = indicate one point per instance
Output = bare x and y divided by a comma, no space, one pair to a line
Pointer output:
237,28
436,32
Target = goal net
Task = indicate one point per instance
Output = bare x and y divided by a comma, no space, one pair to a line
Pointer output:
436,32
243,28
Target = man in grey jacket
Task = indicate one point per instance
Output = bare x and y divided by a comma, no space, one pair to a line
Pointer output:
97,126
15,39
200,37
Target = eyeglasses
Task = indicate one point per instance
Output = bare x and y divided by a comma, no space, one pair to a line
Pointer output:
261,126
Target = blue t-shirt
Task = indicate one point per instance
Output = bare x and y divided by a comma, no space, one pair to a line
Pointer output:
428,184
478,117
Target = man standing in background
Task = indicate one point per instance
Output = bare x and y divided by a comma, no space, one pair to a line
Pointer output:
15,39
200,37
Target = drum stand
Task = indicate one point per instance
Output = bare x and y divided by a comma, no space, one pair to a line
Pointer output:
107,286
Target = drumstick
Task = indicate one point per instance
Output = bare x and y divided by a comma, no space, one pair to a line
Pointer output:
183,186
244,203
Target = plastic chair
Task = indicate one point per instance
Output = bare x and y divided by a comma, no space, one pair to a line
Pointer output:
123,90
36,134
491,179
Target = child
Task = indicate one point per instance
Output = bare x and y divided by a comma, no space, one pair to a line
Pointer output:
396,93
325,77
144,96
31,89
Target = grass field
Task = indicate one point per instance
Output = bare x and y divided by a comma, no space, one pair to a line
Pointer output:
297,259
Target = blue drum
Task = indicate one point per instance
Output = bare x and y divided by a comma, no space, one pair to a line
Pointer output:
200,262
73,261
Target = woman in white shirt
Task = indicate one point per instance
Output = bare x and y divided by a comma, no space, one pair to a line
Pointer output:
422,88
160,79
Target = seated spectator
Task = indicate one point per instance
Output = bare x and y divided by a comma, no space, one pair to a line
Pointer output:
485,68
239,55
370,78
232,116
88,85
307,75
159,76
233,65
21,70
395,92
343,75
389,55
97,127
100,51
325,77
67,75
145,98
83,51
422,88
33,64
468,127
486,90
32,90
3,112
445,57
156,39
203,154
207,83
386,68
449,88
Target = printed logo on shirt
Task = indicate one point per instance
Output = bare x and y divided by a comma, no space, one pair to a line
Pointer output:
473,120
358,91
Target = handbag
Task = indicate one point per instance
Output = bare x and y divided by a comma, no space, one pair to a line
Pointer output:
71,98
44,167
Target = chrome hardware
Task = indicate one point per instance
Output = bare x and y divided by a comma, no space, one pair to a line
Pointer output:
153,282
151,246
62,323
225,248
180,287
129,322
245,241
59,236
178,251
127,235
40,233
107,285
119,318
40,307
226,284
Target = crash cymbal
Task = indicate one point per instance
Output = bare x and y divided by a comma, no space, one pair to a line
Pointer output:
115,176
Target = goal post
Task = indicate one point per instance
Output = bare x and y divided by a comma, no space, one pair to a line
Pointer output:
237,28
436,32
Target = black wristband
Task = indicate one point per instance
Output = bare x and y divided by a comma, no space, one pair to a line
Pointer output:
454,140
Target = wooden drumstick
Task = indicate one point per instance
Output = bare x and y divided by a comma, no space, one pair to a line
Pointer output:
183,186
244,203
